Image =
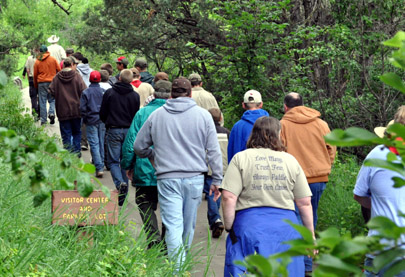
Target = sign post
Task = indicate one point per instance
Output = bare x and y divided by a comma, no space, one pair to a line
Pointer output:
70,208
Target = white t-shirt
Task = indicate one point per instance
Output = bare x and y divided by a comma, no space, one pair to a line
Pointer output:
264,177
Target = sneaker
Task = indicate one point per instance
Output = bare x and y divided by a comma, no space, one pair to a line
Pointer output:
52,119
43,123
85,147
123,190
99,174
217,229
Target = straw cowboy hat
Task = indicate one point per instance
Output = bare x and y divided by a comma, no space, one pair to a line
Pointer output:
53,39
380,131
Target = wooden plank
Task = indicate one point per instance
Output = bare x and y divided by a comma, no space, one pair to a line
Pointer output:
69,208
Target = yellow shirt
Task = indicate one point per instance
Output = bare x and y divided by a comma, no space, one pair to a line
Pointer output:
264,177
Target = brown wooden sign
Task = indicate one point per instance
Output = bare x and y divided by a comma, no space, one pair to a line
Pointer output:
70,208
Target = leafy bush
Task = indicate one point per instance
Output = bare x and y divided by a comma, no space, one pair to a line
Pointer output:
337,208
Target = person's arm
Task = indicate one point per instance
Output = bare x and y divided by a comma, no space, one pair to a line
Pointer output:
228,208
83,106
214,157
363,200
305,209
128,154
104,107
35,75
143,142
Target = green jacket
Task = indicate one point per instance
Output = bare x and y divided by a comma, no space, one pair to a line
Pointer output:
144,173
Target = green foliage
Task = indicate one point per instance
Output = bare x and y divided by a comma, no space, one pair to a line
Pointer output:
26,155
337,208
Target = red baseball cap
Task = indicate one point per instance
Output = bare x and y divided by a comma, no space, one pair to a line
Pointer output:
122,60
95,77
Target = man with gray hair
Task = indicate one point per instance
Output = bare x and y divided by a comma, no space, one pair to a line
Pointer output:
140,170
118,108
252,103
180,155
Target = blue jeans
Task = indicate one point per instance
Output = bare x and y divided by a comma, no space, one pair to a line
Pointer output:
213,207
43,97
179,199
115,139
95,137
71,134
368,262
317,190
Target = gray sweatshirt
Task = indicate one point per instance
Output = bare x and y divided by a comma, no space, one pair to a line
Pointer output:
184,138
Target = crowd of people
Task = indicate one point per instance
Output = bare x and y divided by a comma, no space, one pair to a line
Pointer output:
168,139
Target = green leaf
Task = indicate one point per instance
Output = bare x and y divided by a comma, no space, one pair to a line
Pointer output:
347,249
394,81
3,79
385,164
396,268
330,261
305,233
261,263
40,198
398,130
51,147
84,185
387,257
396,41
89,168
385,227
65,184
353,136
106,191
399,182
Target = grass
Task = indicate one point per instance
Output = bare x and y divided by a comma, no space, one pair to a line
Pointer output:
31,246
337,208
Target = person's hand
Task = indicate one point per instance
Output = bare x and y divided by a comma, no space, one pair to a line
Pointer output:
130,174
215,189
152,162
23,76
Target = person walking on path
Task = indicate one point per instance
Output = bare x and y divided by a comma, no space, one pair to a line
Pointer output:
143,89
260,189
180,155
140,170
121,63
303,134
142,66
55,49
29,67
45,68
118,108
67,88
252,103
213,215
375,190
90,104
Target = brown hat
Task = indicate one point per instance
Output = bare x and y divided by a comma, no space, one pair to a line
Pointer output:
69,51
140,62
182,83
161,76
163,86
216,114
195,77
135,71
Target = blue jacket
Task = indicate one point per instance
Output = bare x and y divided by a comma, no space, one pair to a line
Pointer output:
90,103
241,131
144,173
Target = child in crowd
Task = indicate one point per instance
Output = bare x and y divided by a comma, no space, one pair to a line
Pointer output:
90,104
